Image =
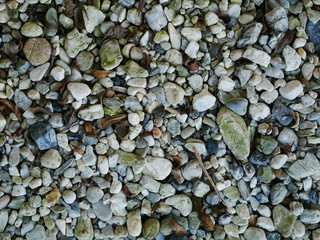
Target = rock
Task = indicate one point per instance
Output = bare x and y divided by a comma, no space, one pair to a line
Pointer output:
37,51
130,159
257,56
258,158
38,73
76,42
203,101
158,168
291,58
278,193
4,217
192,170
94,194
191,34
44,136
226,84
4,201
278,161
283,220
291,90
174,57
232,193
211,18
57,73
192,49
175,37
51,159
4,16
313,32
310,216
238,105
102,211
265,223
37,233
250,36
79,90
259,111
84,229
84,60
287,137
110,54
200,189
92,17
156,18
195,143
69,196
234,132
134,224
278,19
304,168
181,202
134,70
174,93
265,174
91,112
282,113
150,228
127,3
31,29
254,233
267,144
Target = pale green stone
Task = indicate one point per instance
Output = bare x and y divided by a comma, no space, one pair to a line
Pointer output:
304,168
232,193
27,210
193,221
76,42
267,144
265,174
166,226
150,228
84,230
234,132
110,54
134,70
130,159
283,219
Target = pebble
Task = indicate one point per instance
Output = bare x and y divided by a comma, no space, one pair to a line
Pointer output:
43,135
51,159
174,93
254,233
156,18
278,161
76,42
150,228
278,193
91,113
94,194
38,73
158,168
282,113
181,202
192,49
31,29
203,101
92,17
291,58
79,90
110,54
4,201
259,111
283,219
257,56
37,55
278,19
134,223
291,90
304,168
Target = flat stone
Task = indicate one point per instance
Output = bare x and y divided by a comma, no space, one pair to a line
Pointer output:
4,201
102,211
92,17
191,34
203,101
150,228
250,35
278,193
130,159
304,168
37,51
31,29
134,70
174,57
283,219
91,113
134,224
254,233
94,194
110,54
37,233
84,229
310,216
291,90
174,93
257,56
191,170
76,42
79,90
175,37
291,58
38,73
278,19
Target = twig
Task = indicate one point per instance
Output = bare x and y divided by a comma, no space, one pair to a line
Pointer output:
209,177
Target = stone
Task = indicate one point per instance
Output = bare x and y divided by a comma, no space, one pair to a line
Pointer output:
37,51
278,161
203,101
259,111
196,82
191,170
192,49
79,90
4,201
234,132
282,113
174,57
254,233
84,60
304,168
134,70
94,194
291,90
158,168
278,193
211,18
69,196
150,228
283,219
257,56
238,105
278,19
232,193
200,189
31,29
191,34
181,202
110,54
292,58
37,233
265,174
313,32
38,73
130,159
102,211
175,37
92,17
156,18
84,229
250,36
91,112
76,42
226,84
44,136
51,159
174,93
134,224
267,144
57,73
310,216
134,16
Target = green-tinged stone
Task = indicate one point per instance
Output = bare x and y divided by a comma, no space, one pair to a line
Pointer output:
306,132
267,144
76,42
234,132
4,216
52,17
166,226
252,132
133,204
130,159
84,230
175,5
16,202
134,188
134,70
232,193
265,174
96,3
48,222
304,168
109,112
150,228
37,233
193,221
27,210
110,54
283,220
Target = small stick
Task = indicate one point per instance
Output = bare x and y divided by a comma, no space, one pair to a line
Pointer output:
209,177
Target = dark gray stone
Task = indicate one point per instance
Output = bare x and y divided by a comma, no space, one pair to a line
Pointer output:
44,136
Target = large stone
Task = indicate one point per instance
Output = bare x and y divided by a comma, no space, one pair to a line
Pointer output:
44,136
51,159
158,168
31,29
37,51
156,18
304,168
110,54
92,17
181,202
76,42
252,233
79,90
130,159
234,132
134,70
283,220
203,101
291,58
84,229
91,113
257,56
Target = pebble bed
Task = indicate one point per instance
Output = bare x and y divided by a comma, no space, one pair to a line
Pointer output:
159,119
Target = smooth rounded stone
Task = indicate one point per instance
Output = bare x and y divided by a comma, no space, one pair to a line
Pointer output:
232,193
310,216
31,29
203,101
84,229
43,135
278,193
197,144
92,17
4,217
278,161
265,174
234,132
134,224
158,168
156,18
102,211
257,56
174,57
226,84
267,144
312,30
26,210
4,16
37,51
282,113
38,73
291,58
191,170
192,49
259,111
304,168
291,90
91,112
250,35
191,34
130,159
76,42
4,201
57,73
69,196
84,60
196,82
283,219
254,233
180,202
79,90
258,158
110,54
94,194
211,18
232,230
150,228
200,189
224,219
51,159
37,233
134,70
174,93
287,137
238,104
278,19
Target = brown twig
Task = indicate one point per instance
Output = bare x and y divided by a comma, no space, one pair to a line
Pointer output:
209,177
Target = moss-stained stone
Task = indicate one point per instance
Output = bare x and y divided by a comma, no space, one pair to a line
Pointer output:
234,132
150,228
110,54
283,220
134,70
76,42
84,230
130,159
109,112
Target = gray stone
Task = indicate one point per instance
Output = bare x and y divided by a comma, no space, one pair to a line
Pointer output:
76,42
156,18
304,168
278,19
110,54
